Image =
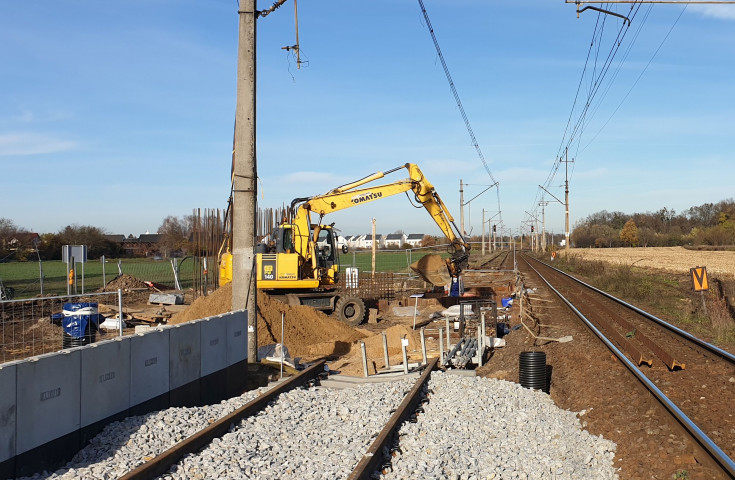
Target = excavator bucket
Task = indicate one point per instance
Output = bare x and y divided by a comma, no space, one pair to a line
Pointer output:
432,268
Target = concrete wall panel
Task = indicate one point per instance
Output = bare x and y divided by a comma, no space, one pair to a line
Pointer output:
105,380
213,344
237,336
7,410
48,398
149,365
185,357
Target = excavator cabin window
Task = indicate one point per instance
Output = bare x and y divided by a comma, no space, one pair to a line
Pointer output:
284,240
326,251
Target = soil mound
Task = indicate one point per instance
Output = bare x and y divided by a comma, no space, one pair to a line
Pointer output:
308,333
124,282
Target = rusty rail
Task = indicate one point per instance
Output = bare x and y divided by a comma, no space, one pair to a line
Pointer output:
373,459
160,464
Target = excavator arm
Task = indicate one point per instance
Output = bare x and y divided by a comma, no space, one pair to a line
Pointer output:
355,193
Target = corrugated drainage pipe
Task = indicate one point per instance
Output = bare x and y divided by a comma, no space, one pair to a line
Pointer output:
532,370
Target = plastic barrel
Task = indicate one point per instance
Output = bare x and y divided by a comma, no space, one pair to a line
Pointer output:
532,370
70,341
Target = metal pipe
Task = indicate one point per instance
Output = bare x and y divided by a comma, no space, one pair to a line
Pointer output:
404,344
120,310
423,347
449,334
386,359
441,347
364,359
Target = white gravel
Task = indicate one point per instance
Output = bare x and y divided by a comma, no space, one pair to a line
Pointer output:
472,428
307,434
124,445
479,428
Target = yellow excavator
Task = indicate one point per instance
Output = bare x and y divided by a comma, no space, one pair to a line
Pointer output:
300,259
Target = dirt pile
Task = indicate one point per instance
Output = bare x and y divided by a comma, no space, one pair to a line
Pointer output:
123,282
308,333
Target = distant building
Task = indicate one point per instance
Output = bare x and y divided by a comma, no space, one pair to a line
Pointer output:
395,240
415,239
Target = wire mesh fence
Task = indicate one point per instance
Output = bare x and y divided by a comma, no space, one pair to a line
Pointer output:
35,279
386,260
36,326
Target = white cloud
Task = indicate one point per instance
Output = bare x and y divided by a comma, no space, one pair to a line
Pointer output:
724,12
32,144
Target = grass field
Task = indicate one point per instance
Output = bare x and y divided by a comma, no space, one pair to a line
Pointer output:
25,277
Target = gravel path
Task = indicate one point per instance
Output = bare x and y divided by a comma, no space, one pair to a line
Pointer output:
472,428
124,445
476,427
307,434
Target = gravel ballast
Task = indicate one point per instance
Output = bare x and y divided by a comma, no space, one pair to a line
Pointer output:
306,434
475,427
472,428
124,445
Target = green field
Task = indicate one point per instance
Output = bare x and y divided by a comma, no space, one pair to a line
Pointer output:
24,277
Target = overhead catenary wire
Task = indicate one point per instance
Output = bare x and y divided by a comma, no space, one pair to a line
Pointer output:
459,104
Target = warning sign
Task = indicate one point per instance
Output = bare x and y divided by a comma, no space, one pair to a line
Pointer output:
699,278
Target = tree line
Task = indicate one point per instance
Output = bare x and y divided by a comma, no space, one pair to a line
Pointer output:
18,243
711,224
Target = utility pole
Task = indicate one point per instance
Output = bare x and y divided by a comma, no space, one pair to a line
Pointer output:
543,225
461,206
483,231
373,247
566,198
244,178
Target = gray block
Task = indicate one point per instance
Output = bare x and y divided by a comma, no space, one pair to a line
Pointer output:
185,354
237,336
105,380
166,298
7,410
149,365
48,398
213,344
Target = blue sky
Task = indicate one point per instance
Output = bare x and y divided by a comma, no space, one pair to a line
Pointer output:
120,114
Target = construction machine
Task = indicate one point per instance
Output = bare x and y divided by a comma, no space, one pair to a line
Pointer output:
299,261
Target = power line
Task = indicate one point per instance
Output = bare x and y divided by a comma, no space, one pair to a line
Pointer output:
459,102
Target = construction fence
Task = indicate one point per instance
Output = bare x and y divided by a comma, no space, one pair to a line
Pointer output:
35,326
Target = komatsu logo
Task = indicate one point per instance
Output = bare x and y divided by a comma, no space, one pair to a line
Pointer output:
366,197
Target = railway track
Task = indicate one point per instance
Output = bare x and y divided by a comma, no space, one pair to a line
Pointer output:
190,457
692,379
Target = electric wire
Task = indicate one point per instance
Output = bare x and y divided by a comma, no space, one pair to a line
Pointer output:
636,80
459,103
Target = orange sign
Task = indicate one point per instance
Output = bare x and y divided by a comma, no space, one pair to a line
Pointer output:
699,278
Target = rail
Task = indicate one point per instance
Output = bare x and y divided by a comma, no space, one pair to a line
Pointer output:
163,462
712,449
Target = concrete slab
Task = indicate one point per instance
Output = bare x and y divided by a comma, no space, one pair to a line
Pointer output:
48,398
462,373
213,344
237,336
105,380
149,366
185,354
8,372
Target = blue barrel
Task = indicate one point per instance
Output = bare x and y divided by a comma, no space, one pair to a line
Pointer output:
80,324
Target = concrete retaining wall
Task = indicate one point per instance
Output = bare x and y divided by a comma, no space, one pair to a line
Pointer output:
50,405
